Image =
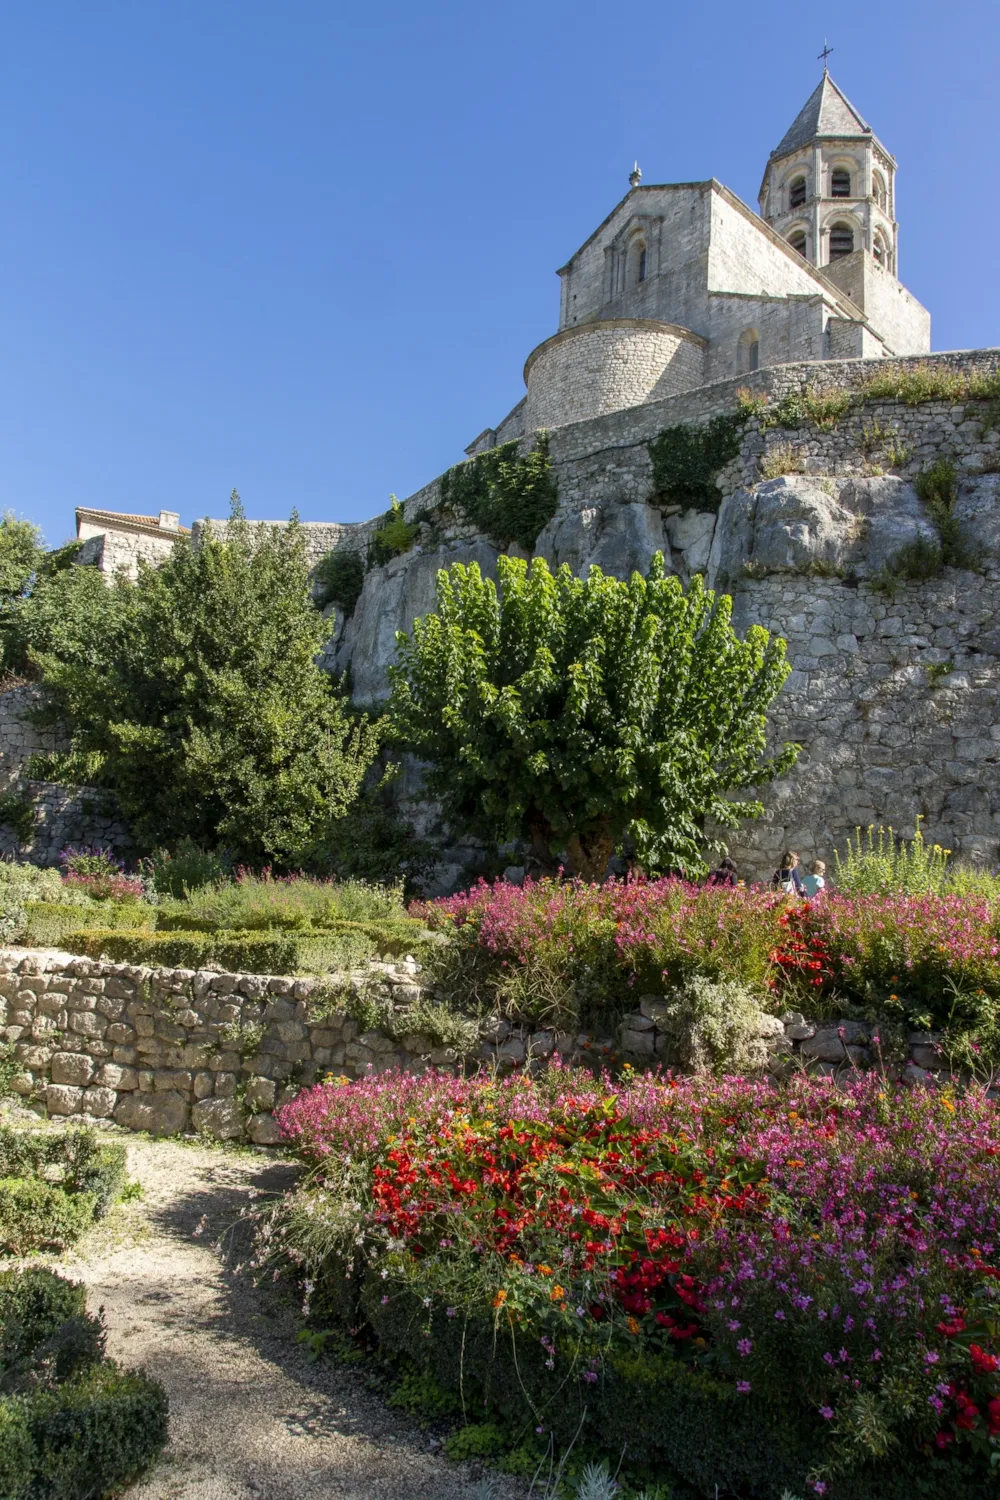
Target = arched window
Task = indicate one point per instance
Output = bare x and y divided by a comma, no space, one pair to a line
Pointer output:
797,240
841,241
748,352
637,263
880,250
840,183
797,192
878,190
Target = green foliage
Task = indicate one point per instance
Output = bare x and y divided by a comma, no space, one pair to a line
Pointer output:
783,458
372,841
73,1426
296,903
48,922
938,489
925,383
17,812
76,1158
877,862
716,1027
35,1215
687,459
585,713
205,707
95,1433
183,869
29,882
21,553
69,613
338,578
395,536
508,495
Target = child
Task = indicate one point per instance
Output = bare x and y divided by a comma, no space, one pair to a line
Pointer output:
814,882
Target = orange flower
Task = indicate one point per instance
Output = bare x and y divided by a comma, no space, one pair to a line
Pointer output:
557,1292
631,1325
500,1299
545,1270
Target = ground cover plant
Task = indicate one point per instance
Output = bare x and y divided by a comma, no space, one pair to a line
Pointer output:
73,1424
54,1187
756,1288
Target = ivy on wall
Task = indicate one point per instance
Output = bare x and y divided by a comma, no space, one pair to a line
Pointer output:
507,495
687,458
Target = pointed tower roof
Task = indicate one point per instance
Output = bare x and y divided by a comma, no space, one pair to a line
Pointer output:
826,112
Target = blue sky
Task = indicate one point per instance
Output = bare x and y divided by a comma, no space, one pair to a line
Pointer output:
303,248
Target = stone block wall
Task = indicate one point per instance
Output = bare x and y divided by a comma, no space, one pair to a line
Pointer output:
595,368
19,737
179,1050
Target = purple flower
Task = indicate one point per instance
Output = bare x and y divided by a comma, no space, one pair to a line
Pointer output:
743,1387
826,1412
744,1347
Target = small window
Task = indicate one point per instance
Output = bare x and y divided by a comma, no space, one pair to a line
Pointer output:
878,190
797,240
797,193
748,352
840,183
880,250
642,264
841,241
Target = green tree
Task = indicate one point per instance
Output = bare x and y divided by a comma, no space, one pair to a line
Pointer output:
207,713
584,713
21,551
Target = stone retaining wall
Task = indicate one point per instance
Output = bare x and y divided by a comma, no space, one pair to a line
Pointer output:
172,1050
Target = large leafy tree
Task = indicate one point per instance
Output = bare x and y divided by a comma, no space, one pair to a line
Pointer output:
205,711
587,713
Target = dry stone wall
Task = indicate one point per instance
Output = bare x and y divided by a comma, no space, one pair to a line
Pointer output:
178,1050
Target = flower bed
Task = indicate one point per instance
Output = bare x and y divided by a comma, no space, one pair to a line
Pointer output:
752,1287
576,955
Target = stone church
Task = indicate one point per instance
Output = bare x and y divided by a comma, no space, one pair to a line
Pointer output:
683,284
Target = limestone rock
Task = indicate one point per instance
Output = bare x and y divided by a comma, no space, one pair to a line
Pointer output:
71,1067
99,1102
263,1130
392,597
159,1114
220,1118
570,538
629,537
893,517
60,1099
691,533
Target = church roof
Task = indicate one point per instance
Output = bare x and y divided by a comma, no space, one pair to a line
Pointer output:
826,112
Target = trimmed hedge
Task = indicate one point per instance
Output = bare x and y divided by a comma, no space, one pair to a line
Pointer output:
342,945
73,1425
95,1433
86,1164
36,1215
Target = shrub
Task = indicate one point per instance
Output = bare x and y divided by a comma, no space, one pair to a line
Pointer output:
508,495
294,902
30,882
251,952
783,458
34,1305
686,460
716,1028
35,1215
757,1287
184,869
395,536
99,874
46,923
338,578
17,812
96,1432
583,713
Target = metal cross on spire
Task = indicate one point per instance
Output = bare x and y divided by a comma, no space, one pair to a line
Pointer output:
825,54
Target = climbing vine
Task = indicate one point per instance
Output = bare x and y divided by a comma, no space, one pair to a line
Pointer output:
508,495
687,458
339,579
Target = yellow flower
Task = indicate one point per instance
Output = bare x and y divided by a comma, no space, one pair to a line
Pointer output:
631,1325
557,1292
500,1299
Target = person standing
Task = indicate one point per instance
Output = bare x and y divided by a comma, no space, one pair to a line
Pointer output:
724,875
786,877
815,881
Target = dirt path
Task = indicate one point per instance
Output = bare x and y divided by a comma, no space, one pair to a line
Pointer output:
250,1417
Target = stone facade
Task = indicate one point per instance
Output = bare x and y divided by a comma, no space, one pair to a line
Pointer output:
116,542
600,367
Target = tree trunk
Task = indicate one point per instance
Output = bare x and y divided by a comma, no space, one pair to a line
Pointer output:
589,852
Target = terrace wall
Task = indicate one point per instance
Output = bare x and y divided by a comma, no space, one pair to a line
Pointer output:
175,1050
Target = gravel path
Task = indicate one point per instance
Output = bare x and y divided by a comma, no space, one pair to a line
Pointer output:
250,1417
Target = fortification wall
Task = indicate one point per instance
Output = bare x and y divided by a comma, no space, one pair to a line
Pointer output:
19,737
594,368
